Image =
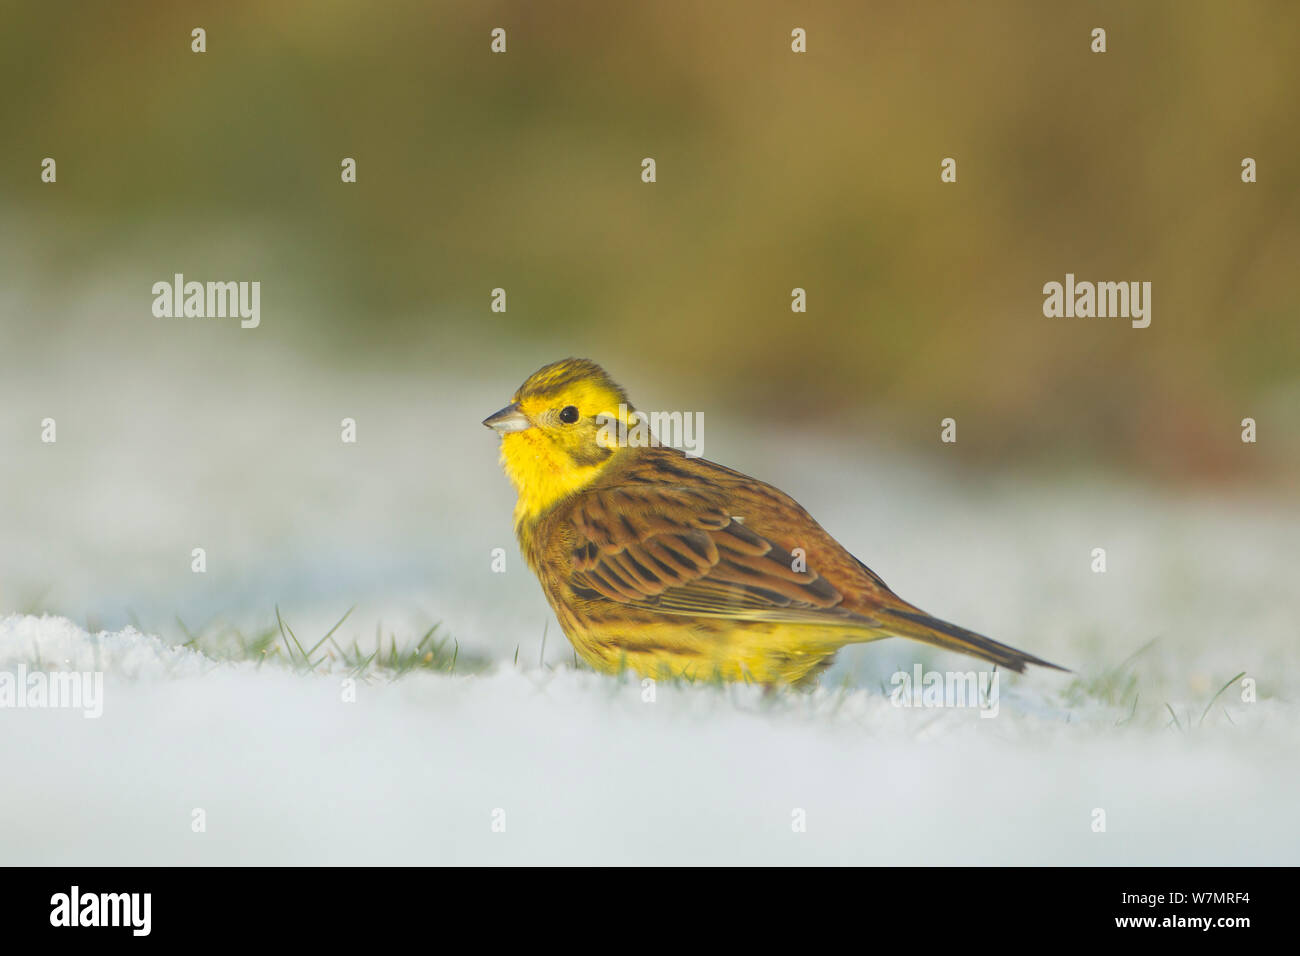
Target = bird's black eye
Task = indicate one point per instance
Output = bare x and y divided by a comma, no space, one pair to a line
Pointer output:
569,414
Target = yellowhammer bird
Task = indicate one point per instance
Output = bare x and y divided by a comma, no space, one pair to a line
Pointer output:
674,566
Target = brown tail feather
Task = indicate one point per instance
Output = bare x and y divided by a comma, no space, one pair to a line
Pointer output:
920,626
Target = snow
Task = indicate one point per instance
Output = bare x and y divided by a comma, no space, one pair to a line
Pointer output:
587,771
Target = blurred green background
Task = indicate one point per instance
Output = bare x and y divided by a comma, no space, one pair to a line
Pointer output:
775,170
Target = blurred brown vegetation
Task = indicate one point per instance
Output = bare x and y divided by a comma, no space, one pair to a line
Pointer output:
775,170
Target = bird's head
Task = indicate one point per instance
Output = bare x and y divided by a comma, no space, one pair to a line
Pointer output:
559,432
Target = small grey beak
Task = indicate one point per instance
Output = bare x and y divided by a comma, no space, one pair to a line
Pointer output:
509,419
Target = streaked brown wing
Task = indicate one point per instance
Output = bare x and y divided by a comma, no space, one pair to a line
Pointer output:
677,549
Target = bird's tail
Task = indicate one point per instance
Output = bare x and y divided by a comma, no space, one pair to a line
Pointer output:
907,621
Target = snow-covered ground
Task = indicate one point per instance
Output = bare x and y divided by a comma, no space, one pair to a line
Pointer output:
582,769
240,455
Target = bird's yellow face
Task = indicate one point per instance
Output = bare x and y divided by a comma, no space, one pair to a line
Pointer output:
559,432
